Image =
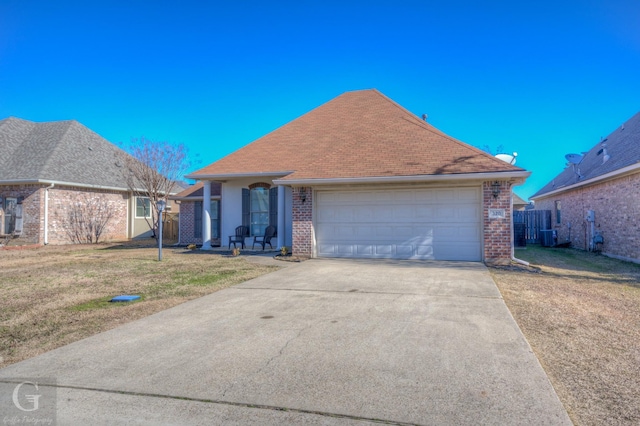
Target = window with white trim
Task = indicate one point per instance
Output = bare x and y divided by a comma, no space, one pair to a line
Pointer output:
143,207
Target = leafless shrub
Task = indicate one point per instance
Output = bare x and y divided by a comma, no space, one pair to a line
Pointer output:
87,220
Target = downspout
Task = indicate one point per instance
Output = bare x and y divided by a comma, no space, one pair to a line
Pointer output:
46,213
513,244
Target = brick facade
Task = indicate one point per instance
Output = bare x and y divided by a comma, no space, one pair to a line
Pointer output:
61,200
617,215
302,222
497,233
188,223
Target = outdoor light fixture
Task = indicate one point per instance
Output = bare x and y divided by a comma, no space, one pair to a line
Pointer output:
161,205
303,194
495,189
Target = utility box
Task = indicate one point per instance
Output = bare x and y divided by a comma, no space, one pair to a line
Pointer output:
591,216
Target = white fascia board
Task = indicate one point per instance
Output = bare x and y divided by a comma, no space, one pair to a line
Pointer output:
223,177
59,183
198,198
608,176
405,179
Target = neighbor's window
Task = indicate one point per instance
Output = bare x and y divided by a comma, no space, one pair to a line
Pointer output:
259,210
558,213
143,207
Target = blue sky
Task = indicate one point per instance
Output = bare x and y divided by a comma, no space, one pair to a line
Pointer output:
542,78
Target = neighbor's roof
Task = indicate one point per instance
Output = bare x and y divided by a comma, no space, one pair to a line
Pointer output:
518,200
195,192
358,134
60,151
623,149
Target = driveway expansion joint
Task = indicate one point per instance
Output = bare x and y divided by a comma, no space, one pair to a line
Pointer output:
223,402
366,292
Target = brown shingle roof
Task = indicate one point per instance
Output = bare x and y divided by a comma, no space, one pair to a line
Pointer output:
358,134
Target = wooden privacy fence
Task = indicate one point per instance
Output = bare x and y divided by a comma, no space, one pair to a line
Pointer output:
170,227
527,225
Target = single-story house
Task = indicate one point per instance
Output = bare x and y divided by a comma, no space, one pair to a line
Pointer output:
57,175
362,177
190,202
595,200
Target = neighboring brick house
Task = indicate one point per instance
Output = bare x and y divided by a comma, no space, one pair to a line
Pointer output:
362,177
605,181
51,173
190,202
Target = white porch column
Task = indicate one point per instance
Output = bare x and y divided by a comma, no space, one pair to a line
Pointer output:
281,215
206,216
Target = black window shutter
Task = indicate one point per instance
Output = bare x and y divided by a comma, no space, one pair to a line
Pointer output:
246,208
273,207
197,230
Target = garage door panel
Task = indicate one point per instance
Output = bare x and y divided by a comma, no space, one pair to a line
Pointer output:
364,250
403,196
381,213
384,249
416,223
466,195
425,212
459,251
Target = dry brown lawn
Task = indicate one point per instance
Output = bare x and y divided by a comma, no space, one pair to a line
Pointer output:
52,296
581,314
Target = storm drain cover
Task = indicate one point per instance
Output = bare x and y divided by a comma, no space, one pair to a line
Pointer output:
125,298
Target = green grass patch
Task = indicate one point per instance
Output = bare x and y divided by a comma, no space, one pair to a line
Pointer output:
102,303
207,279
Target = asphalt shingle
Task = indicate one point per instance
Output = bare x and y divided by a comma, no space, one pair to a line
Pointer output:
622,147
63,151
358,134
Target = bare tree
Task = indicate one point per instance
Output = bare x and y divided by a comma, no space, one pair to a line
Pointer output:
152,170
87,220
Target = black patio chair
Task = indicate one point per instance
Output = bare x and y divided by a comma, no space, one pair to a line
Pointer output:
269,233
241,233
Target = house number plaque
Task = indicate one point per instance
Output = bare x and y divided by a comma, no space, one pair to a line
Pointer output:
497,214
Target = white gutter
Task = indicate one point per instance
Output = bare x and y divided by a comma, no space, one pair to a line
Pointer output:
46,213
400,179
59,183
235,175
616,173
196,198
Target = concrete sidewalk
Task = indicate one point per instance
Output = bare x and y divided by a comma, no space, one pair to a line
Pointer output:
321,342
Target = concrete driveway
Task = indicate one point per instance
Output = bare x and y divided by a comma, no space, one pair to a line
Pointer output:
322,342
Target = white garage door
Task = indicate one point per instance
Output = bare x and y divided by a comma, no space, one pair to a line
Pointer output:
428,223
